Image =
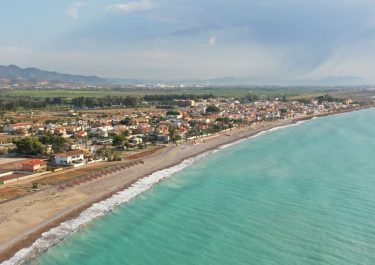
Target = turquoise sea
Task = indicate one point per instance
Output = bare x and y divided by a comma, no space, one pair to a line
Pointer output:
299,195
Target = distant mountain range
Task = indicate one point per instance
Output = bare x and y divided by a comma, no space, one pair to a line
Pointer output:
14,72
32,75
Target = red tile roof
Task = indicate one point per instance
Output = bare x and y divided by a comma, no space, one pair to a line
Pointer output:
21,124
34,162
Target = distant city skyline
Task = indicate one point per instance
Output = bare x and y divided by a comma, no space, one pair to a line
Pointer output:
164,39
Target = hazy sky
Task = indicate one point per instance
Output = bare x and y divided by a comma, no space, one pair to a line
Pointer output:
183,39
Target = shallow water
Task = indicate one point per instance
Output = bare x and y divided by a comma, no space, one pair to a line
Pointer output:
300,195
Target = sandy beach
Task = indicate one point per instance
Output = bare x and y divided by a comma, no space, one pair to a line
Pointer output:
24,219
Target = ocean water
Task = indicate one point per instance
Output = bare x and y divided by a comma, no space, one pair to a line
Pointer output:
299,195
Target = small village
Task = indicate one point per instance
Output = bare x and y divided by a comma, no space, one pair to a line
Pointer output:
77,138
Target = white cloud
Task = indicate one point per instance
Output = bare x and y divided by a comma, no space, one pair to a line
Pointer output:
352,59
212,41
141,5
73,10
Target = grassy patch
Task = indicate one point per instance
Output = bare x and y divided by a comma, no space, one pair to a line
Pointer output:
220,92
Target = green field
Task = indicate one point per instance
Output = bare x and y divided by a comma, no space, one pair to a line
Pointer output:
219,92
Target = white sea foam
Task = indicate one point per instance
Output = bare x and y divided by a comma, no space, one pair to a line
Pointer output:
228,145
283,126
57,234
275,129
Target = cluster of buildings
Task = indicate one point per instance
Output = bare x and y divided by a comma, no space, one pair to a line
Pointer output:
86,136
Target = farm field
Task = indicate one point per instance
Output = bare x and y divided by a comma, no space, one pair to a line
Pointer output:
220,92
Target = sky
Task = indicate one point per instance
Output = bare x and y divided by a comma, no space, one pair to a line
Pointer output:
191,39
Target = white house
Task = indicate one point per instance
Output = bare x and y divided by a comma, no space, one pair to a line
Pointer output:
135,139
17,126
70,158
101,131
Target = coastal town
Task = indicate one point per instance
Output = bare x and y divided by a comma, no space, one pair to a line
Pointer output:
37,146
155,132
55,164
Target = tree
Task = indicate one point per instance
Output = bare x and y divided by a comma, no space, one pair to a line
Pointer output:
174,135
57,101
283,111
126,121
250,97
177,137
105,153
326,97
118,139
29,146
212,109
35,185
57,142
216,128
173,113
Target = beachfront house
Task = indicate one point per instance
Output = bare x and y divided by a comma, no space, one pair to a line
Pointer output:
70,158
34,165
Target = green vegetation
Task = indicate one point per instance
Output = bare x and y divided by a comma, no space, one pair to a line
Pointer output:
327,98
11,100
34,145
14,103
175,137
57,142
29,146
212,109
173,112
35,185
283,111
126,121
170,97
237,92
91,102
118,140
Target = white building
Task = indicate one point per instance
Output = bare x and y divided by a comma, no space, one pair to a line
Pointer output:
70,158
17,126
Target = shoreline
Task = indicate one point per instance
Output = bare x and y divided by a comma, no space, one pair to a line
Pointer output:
161,160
